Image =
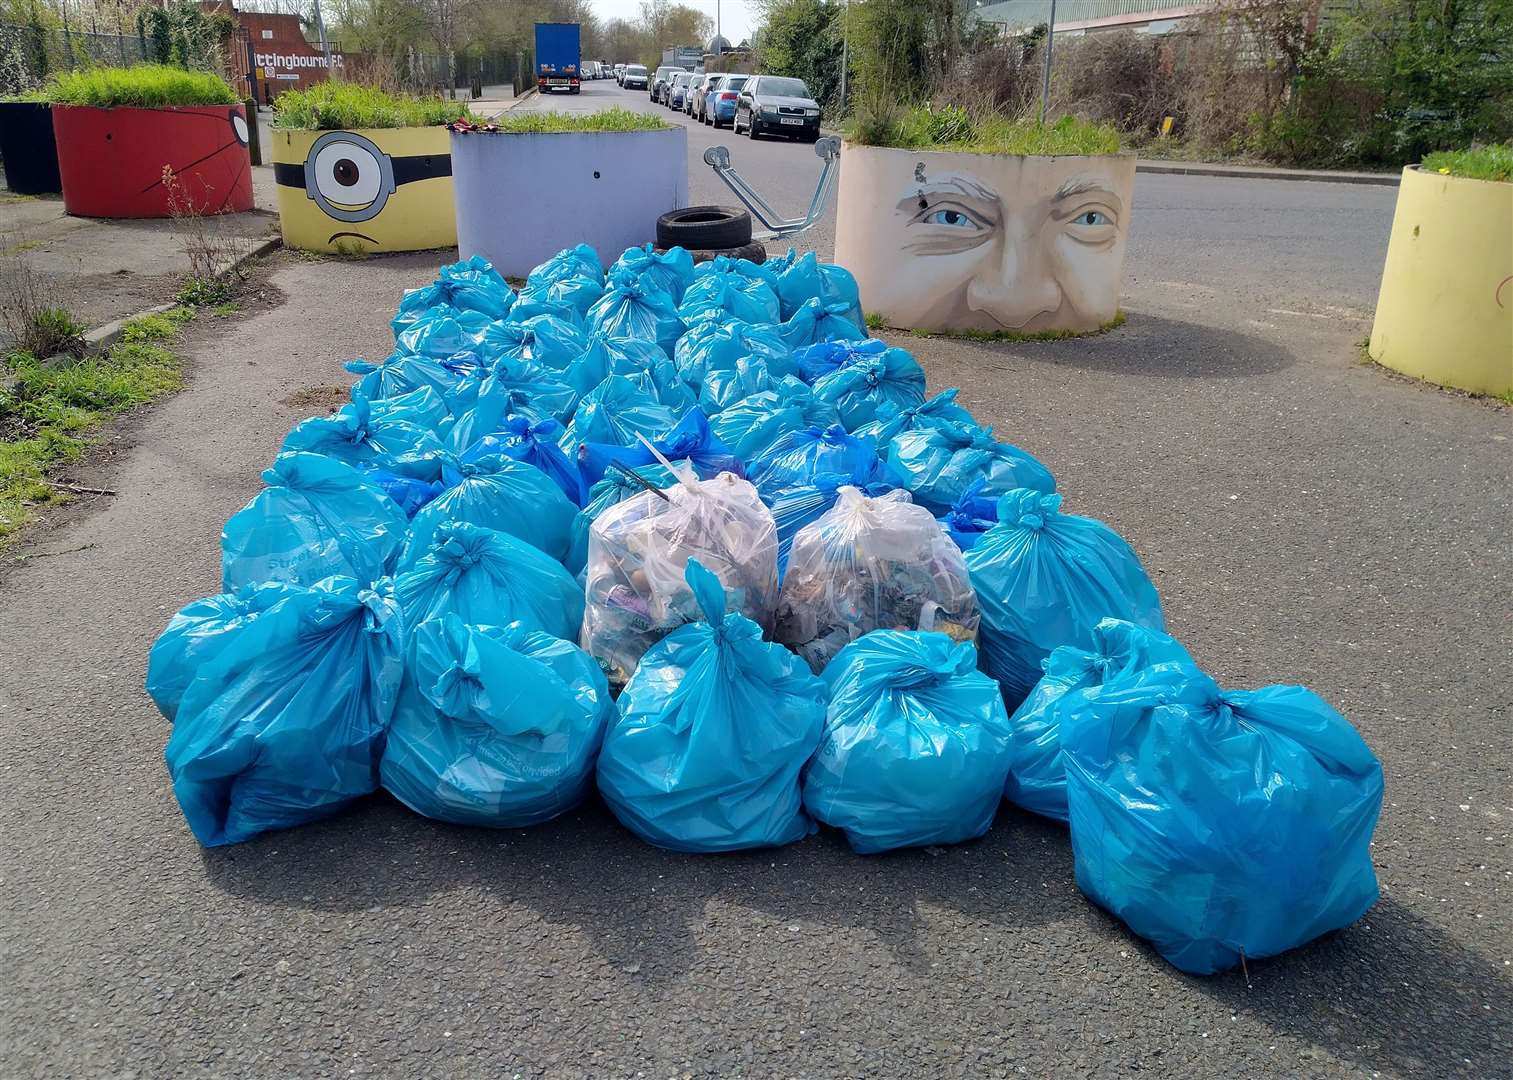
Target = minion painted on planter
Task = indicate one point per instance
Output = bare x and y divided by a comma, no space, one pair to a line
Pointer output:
379,189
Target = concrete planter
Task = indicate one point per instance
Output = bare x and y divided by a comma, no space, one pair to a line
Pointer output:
957,241
29,149
371,190
111,161
1445,310
523,198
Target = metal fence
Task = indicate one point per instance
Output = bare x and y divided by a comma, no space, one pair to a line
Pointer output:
29,54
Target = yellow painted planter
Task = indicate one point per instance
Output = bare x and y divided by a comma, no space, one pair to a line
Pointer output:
1445,312
372,190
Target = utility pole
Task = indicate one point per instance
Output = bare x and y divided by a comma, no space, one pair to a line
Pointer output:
845,50
1050,40
325,46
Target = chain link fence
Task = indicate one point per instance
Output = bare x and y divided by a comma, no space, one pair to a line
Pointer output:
29,54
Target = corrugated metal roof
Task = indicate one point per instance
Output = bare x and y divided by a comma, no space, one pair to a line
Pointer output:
1016,13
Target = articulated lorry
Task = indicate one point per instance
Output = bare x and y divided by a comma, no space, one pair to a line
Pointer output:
559,60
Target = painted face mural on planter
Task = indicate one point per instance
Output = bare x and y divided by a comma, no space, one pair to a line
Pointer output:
952,241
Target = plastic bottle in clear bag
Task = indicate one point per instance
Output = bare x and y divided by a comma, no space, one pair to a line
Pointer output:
638,551
872,564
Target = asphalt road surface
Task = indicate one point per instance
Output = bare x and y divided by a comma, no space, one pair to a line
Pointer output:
1307,519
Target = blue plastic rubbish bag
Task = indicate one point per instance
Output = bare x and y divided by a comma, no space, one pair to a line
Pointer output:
630,309
816,361
806,279
580,261
577,291
892,421
423,407
455,380
671,271
815,322
497,493
751,427
613,413
494,726
642,362
537,443
1073,678
916,744
800,456
354,435
473,285
443,332
1220,824
735,295
546,339
972,515
537,302
285,725
482,574
515,387
196,635
713,344
712,733
1045,579
724,387
872,380
316,517
690,440
939,463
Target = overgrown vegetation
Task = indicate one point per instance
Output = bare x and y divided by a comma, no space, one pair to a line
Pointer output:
555,123
142,86
339,105
1478,163
953,127
49,412
1347,83
31,321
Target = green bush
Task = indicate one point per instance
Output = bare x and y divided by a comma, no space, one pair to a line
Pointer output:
556,123
142,86
1493,162
344,106
926,128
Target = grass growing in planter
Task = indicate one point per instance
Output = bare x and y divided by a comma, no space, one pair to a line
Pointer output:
954,128
142,86
1491,162
345,106
558,123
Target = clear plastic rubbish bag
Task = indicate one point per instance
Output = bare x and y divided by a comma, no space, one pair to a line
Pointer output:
1045,579
196,635
871,564
285,724
315,518
494,726
497,493
712,733
630,309
796,506
482,574
1073,678
1220,825
639,549
614,488
800,456
916,744
671,271
938,463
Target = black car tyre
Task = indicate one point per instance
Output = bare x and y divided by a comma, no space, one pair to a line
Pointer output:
752,252
697,227
751,130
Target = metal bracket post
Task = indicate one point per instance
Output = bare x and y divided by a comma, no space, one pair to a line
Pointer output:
827,149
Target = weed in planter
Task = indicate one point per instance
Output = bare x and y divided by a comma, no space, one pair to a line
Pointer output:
344,106
559,123
144,86
875,321
953,128
1492,162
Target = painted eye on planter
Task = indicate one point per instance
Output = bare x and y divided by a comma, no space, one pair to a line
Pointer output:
1092,225
348,174
955,219
239,128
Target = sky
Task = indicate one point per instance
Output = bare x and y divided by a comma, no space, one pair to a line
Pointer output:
737,17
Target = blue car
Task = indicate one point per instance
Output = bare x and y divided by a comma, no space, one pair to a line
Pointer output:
719,103
678,89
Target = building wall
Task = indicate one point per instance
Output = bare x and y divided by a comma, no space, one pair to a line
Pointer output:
283,58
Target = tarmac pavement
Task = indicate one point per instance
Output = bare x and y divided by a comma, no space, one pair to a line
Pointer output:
1307,519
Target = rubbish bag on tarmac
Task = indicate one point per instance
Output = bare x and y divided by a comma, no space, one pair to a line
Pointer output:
916,744
615,488
689,440
494,726
1074,677
873,379
196,635
806,279
671,271
937,464
713,344
285,725
483,574
614,413
798,457
423,407
580,261
1044,579
316,517
443,332
642,362
971,515
497,493
638,551
712,732
354,435
735,295
816,361
632,310
473,285
871,564
455,381
537,443
892,421
1220,824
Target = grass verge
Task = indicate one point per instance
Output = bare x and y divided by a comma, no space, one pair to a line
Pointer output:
49,415
1491,162
1019,335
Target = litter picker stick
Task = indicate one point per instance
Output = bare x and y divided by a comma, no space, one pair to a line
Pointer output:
638,478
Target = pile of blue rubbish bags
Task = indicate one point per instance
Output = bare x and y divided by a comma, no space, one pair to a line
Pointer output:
688,536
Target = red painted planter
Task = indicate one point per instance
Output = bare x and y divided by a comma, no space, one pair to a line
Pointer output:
111,160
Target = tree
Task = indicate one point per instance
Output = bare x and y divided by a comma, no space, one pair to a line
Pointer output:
802,38
664,24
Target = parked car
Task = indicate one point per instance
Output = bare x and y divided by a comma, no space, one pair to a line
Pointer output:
776,105
677,90
720,100
660,81
633,77
693,105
